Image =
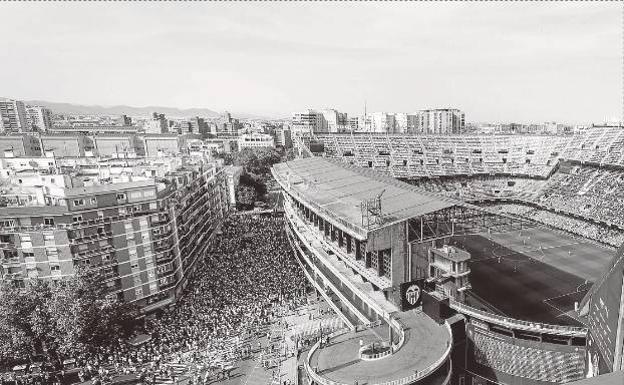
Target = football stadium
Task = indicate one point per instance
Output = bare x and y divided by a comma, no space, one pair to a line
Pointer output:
467,259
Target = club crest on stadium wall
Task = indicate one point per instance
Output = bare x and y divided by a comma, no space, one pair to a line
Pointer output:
412,294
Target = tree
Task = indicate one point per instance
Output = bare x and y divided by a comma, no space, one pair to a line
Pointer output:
71,316
16,335
257,161
84,317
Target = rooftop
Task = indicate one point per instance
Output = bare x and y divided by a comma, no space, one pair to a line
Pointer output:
29,211
452,253
340,189
106,188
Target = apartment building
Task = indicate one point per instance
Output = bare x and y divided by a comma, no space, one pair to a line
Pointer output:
39,118
405,123
12,115
308,121
145,236
283,137
335,121
383,122
255,140
441,121
157,125
199,125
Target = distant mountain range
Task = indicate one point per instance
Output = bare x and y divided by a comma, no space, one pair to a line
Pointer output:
170,112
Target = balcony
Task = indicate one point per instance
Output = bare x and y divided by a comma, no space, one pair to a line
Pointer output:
109,272
162,246
164,258
5,245
10,262
102,250
91,238
166,284
331,248
30,263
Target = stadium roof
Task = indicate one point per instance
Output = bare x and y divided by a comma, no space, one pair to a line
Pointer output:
340,189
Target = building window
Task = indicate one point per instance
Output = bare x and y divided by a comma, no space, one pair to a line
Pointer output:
77,218
55,268
386,263
48,221
79,202
374,261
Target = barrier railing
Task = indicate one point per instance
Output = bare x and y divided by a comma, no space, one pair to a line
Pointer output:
401,381
306,363
385,351
513,323
398,327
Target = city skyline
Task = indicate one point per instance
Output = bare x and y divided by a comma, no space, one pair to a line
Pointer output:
485,59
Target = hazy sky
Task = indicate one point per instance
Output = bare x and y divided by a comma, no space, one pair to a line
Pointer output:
496,61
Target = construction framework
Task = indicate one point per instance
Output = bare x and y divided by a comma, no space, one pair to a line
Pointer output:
461,220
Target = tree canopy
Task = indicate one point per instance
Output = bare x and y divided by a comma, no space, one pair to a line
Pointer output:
61,319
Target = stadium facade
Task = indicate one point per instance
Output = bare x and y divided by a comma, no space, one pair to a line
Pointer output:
143,222
369,242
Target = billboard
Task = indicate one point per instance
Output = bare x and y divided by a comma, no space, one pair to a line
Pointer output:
411,294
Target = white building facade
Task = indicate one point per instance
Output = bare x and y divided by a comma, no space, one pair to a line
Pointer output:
255,140
12,115
39,118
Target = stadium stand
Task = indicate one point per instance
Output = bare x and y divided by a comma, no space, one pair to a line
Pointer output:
571,182
527,362
536,286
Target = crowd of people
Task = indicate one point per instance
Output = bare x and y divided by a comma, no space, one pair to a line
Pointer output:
234,294
587,229
584,200
589,192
